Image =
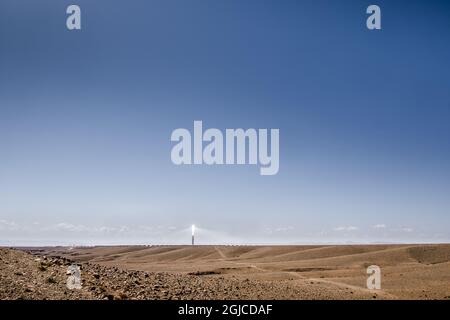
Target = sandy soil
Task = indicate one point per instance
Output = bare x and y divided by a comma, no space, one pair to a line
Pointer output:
227,272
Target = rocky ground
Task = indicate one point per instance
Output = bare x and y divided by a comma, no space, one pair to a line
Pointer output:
26,276
226,272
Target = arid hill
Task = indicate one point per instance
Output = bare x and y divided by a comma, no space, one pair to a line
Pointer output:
227,272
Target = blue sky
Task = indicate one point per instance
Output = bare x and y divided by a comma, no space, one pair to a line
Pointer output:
86,118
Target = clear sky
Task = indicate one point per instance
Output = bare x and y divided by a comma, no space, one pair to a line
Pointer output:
86,118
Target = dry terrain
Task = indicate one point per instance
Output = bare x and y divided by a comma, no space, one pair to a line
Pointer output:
227,272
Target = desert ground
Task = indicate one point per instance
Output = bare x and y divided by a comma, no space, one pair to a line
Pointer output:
227,272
